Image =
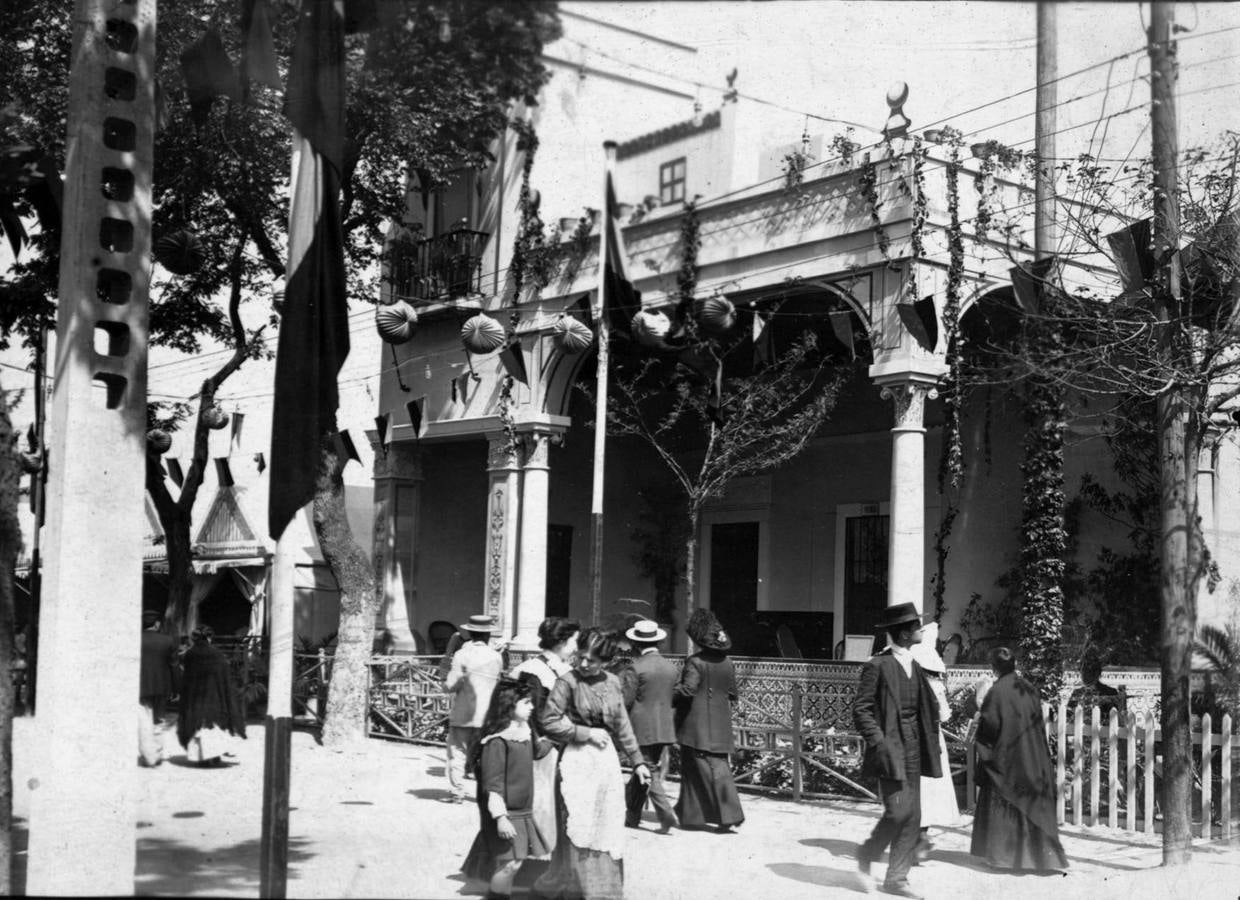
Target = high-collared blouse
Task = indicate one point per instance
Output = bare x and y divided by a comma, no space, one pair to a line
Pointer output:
578,703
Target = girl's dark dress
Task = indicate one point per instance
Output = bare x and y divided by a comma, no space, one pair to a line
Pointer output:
506,768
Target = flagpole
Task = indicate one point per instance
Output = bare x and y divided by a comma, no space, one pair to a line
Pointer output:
600,403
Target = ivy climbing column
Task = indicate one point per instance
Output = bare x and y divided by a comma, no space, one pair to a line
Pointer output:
906,559
82,828
398,494
502,530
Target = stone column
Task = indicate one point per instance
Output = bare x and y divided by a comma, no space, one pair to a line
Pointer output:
532,585
398,473
503,528
906,554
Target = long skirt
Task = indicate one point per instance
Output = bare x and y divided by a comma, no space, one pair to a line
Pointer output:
1007,839
938,795
544,799
707,792
208,743
490,851
587,863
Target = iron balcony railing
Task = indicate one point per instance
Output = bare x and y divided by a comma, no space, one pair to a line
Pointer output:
437,269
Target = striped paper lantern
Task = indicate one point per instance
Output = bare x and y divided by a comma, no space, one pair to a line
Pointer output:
716,315
650,328
158,441
572,335
180,252
396,322
482,334
215,417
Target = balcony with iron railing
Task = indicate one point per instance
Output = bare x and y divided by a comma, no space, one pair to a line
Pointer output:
439,269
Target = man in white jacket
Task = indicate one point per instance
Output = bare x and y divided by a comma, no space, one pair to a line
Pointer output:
470,681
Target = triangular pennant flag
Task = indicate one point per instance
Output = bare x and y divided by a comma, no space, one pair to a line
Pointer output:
381,426
414,408
238,419
259,54
623,300
1031,279
345,448
921,322
763,344
514,361
261,462
174,471
223,472
842,328
581,311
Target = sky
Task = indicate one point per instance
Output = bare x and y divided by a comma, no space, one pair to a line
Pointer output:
834,60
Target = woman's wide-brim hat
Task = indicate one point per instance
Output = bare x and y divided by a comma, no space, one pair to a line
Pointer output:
900,614
481,624
646,631
706,631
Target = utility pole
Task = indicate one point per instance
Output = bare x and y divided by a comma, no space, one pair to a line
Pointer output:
1044,187
82,813
1177,451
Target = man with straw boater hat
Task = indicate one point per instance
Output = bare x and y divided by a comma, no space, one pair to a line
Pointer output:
470,682
648,685
897,714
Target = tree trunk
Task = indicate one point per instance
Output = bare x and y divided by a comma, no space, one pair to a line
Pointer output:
691,551
180,571
1179,622
348,694
10,543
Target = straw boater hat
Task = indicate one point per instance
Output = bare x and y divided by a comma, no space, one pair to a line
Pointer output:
480,624
645,632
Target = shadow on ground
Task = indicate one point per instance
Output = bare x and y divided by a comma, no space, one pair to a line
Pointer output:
429,793
820,876
163,866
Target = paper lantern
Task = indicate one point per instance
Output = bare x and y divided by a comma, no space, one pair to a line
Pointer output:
215,417
650,328
572,335
482,334
396,322
158,441
716,315
180,252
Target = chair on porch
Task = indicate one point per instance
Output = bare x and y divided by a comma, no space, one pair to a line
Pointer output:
438,633
787,643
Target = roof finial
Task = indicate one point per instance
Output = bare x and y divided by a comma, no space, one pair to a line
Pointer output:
897,123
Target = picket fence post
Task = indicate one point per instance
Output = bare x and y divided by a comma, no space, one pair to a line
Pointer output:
796,743
1078,744
1095,762
1225,799
1149,773
1207,776
1130,730
1061,733
1114,770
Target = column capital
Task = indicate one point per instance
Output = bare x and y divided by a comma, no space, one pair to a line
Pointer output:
910,401
536,444
503,452
402,462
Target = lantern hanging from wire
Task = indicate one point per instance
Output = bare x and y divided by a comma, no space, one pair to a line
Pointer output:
482,334
215,417
180,252
158,441
650,328
396,322
716,314
571,335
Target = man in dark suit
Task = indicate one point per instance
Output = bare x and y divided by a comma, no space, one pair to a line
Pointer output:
647,685
156,683
897,715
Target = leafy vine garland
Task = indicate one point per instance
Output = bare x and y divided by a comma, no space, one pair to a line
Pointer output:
530,229
868,180
690,244
953,457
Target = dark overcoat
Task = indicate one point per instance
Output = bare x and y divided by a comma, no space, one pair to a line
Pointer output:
158,674
648,685
704,696
208,696
876,716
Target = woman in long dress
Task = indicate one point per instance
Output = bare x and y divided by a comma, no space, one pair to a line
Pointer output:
938,795
585,712
1015,827
211,712
557,638
704,696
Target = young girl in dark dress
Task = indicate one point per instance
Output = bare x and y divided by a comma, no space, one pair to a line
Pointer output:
504,767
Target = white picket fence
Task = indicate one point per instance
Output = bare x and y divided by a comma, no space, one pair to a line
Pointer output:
1094,761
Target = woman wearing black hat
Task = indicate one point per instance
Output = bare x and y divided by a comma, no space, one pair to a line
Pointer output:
211,710
704,697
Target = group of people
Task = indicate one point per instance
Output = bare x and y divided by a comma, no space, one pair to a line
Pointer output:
545,745
210,713
901,702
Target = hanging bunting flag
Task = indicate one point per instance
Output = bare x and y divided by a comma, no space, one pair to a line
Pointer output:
208,73
414,407
513,359
314,328
345,448
223,472
238,419
580,310
623,300
174,471
763,340
381,426
261,462
921,322
842,327
259,54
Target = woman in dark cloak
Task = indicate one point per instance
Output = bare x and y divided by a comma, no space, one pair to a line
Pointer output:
211,711
1015,826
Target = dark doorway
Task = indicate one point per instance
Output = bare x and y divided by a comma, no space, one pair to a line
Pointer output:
559,568
865,572
734,584
225,609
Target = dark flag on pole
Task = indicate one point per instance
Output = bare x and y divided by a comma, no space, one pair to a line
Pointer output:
513,359
623,300
314,329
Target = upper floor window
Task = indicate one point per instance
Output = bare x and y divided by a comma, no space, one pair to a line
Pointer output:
672,181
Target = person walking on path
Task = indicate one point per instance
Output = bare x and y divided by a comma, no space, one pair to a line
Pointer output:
471,679
895,712
157,682
704,695
585,713
211,711
938,795
1014,826
504,769
557,638
648,686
